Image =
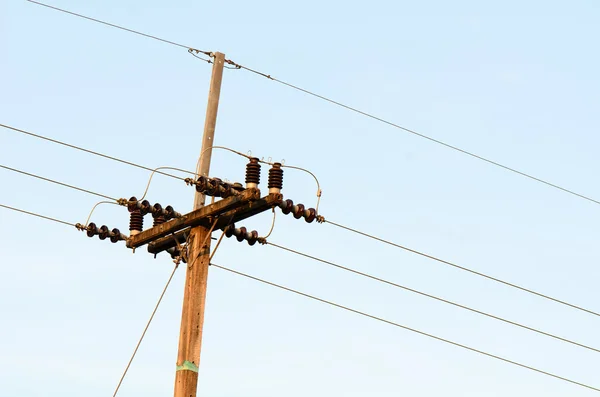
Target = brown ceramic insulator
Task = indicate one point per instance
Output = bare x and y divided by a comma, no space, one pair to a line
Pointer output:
213,187
226,190
103,232
310,215
241,236
115,236
92,230
287,206
253,238
201,184
229,230
160,219
132,205
145,207
169,212
253,171
276,177
136,221
299,211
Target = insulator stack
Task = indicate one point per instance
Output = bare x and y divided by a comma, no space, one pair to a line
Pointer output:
216,187
298,210
252,173
242,234
104,232
136,219
275,179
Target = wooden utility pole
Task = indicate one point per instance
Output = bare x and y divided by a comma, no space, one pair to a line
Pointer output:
194,298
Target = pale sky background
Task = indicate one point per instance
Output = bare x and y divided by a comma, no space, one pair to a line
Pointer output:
514,81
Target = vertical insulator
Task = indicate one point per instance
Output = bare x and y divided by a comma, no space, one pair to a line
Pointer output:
241,235
286,206
275,179
158,220
103,232
298,211
252,237
158,214
92,230
252,173
136,222
136,219
310,215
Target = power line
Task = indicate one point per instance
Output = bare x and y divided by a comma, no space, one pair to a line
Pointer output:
434,297
337,103
87,150
118,27
466,269
369,115
408,328
38,215
145,330
57,182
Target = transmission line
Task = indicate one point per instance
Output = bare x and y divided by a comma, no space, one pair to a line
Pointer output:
433,297
87,150
57,182
340,104
38,215
407,328
421,135
118,26
445,262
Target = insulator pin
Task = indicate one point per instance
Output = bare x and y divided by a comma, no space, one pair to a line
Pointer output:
253,173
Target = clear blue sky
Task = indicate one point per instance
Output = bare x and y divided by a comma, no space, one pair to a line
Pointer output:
514,81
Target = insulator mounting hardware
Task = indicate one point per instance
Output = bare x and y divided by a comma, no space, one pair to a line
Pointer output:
275,178
104,232
298,210
253,173
241,234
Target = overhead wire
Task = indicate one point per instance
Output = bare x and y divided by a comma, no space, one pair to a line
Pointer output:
137,346
58,182
87,150
337,103
384,281
395,324
480,274
421,135
118,26
38,215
